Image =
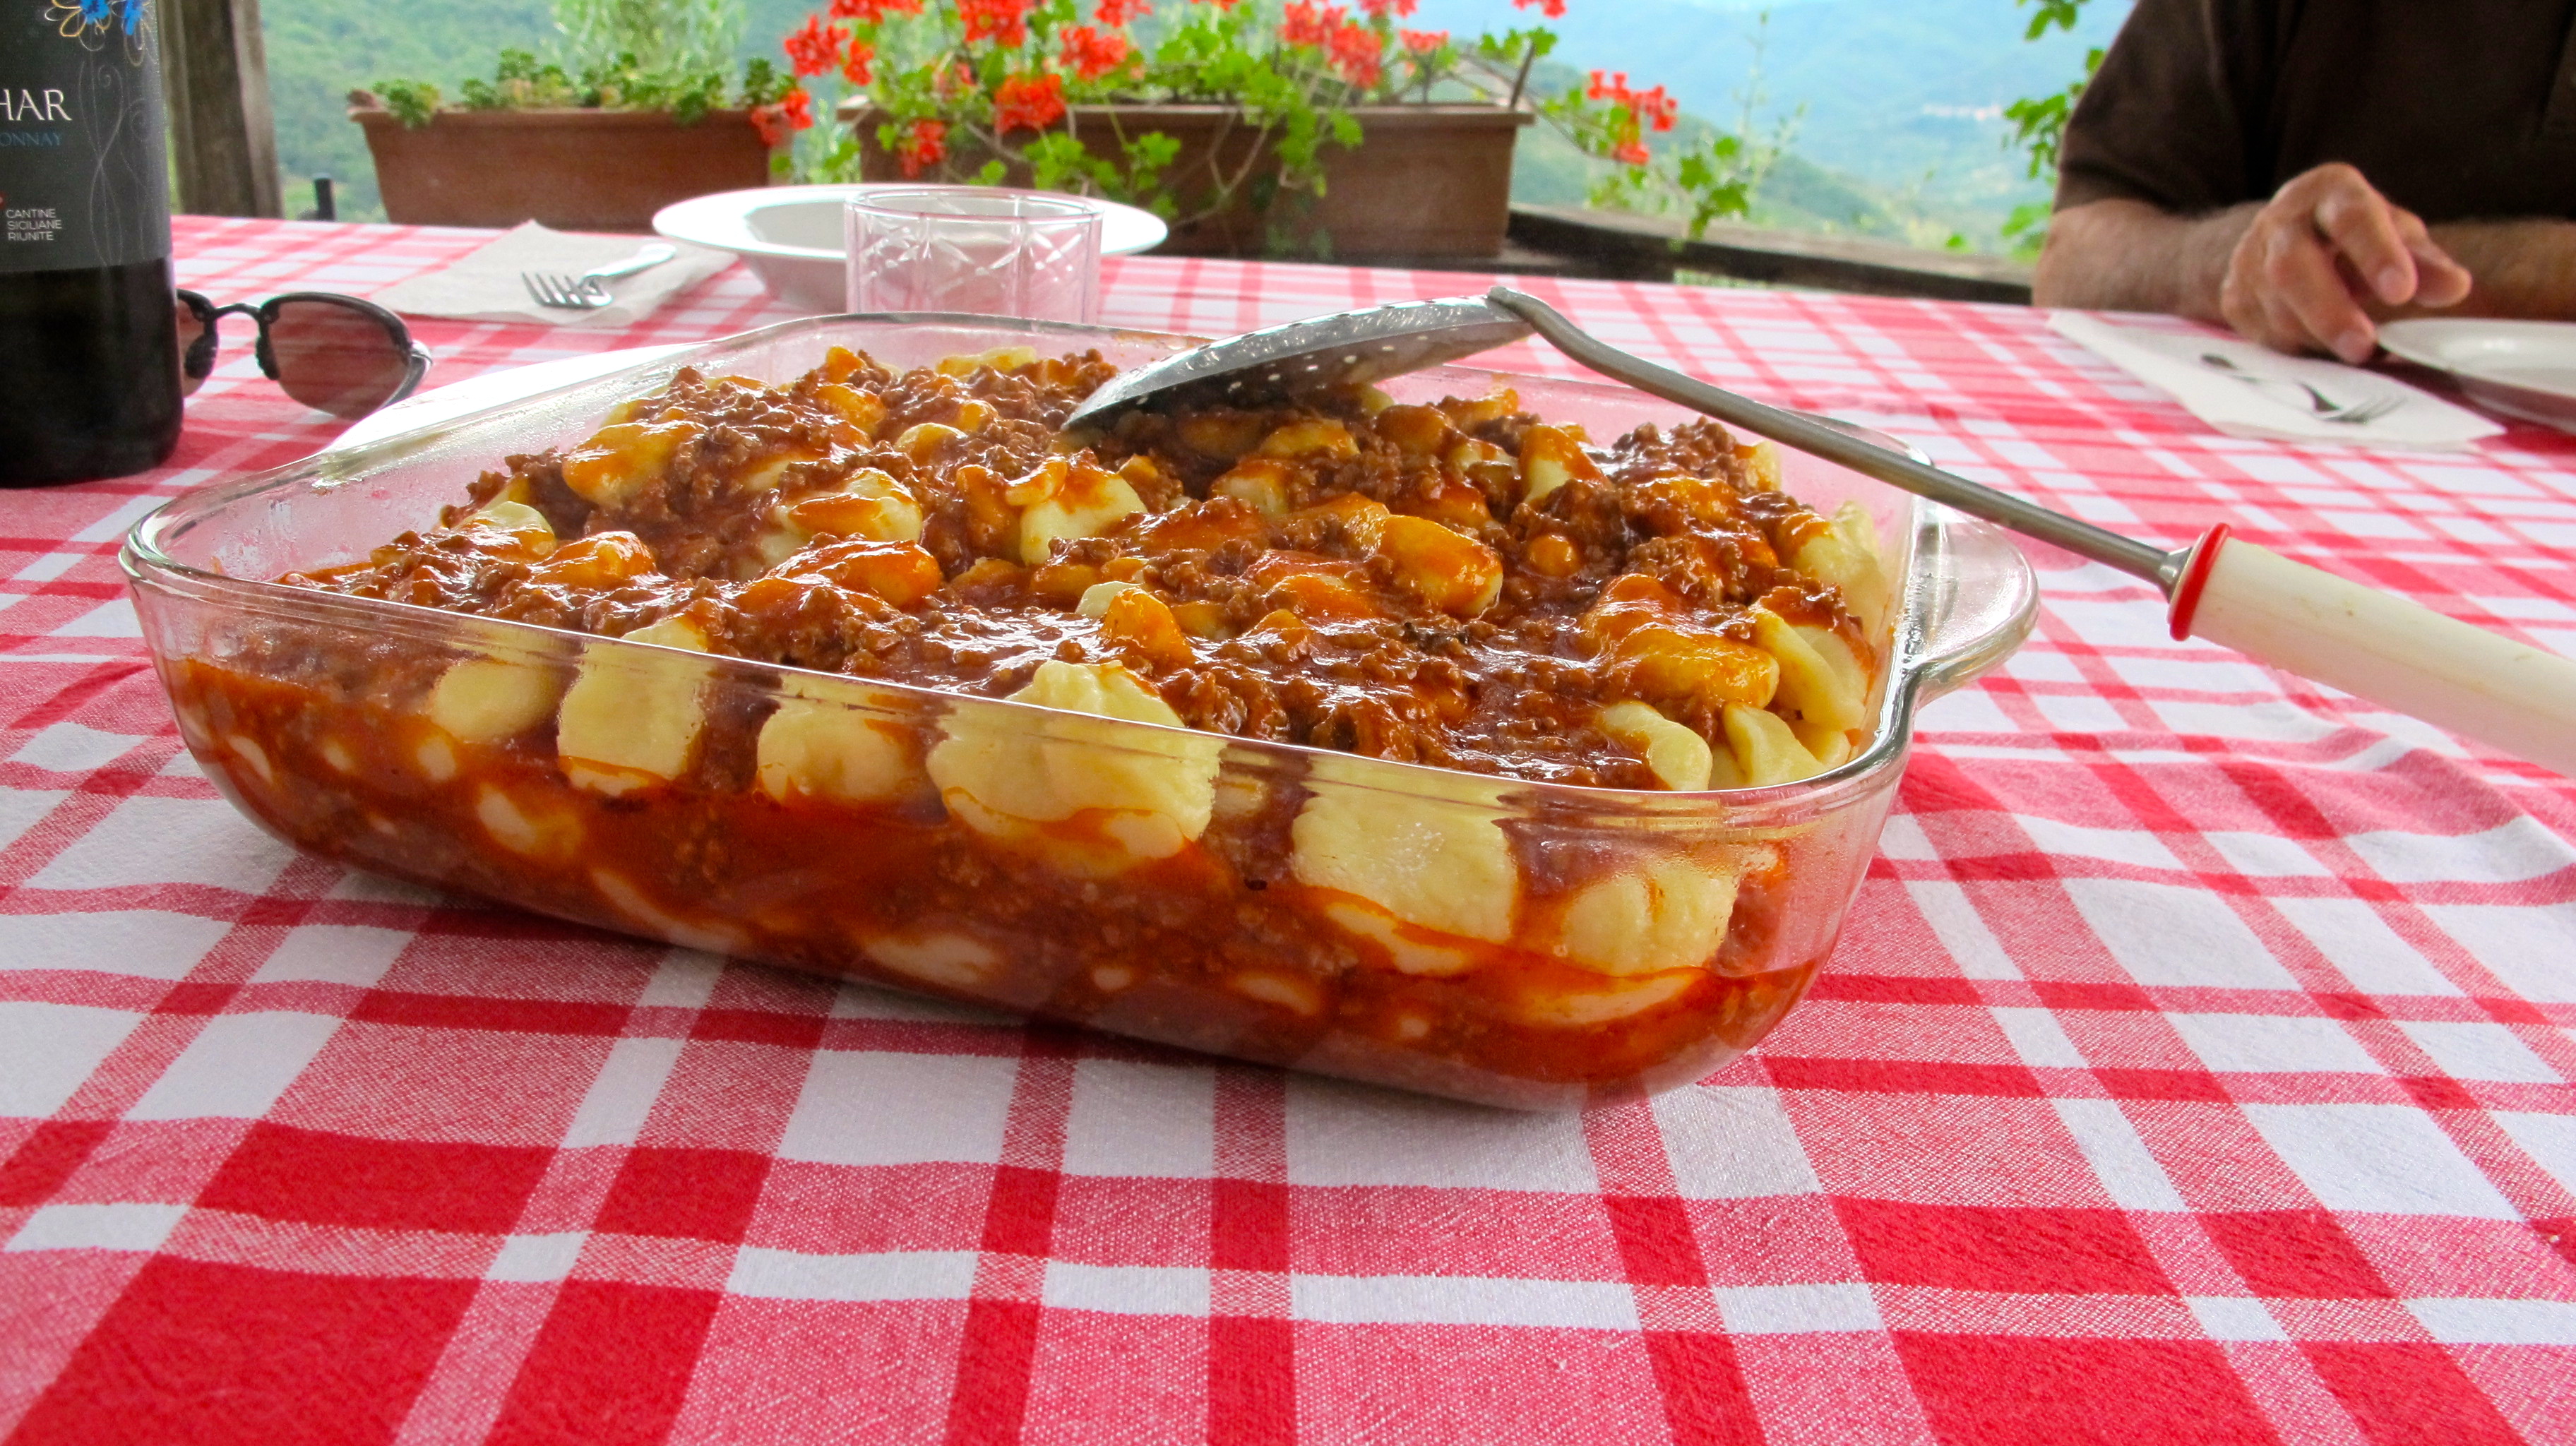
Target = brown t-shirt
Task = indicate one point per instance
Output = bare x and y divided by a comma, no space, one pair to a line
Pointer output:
2452,108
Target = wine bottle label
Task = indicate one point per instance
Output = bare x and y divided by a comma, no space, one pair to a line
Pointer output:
84,178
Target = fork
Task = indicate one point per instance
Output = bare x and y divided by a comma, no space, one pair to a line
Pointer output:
589,291
2370,411
2326,408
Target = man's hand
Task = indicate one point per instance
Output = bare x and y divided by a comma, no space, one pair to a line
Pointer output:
2324,248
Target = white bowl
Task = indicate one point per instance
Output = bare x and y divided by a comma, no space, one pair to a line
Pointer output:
790,236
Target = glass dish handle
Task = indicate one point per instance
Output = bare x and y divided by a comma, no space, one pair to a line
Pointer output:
1974,599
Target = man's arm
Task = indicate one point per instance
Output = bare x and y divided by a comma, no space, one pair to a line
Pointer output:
2122,255
2304,271
2523,268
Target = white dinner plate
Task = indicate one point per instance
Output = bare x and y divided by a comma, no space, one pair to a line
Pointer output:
790,236
509,384
2523,369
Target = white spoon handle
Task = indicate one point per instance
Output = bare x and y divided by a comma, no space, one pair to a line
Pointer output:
646,259
2374,645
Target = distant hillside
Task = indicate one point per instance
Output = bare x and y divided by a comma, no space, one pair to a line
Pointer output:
1902,98
1897,103
320,50
1796,195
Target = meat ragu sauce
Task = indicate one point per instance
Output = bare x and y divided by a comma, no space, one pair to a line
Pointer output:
1460,585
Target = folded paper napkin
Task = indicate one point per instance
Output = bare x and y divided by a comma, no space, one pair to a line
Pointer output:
2247,390
484,284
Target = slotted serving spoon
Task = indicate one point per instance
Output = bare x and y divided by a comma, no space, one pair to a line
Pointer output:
2369,643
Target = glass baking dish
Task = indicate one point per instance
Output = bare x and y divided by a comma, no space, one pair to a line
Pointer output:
1510,943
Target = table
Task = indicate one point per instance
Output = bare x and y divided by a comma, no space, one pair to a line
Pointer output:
2195,1067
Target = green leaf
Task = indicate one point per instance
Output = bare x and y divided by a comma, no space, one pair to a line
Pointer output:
412,102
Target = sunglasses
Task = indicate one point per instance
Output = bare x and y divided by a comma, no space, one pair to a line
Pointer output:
335,353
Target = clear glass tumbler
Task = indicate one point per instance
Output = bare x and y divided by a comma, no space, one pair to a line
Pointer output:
974,249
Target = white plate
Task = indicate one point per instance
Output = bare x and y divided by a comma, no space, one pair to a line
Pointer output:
790,236
2523,369
509,384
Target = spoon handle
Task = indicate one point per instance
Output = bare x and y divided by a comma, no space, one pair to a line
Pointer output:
2300,619
644,260
2378,646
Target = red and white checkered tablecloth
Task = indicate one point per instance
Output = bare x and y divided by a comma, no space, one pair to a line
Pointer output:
2196,1066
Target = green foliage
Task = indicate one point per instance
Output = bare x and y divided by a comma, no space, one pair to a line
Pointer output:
2039,124
764,83
1135,178
653,37
411,101
2052,14
1719,178
2026,230
1515,51
520,83
652,55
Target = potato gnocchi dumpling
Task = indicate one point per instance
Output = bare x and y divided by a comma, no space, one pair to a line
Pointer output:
1665,911
631,718
1847,556
1432,856
831,739
1062,500
1821,682
484,700
1681,758
1094,798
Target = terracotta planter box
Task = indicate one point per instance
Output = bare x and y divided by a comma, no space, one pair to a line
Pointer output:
1426,182
575,170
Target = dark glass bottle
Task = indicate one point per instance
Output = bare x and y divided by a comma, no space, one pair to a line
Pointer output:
89,359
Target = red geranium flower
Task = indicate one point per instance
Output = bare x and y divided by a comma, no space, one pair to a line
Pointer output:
1423,42
872,11
1119,12
1005,22
1357,53
924,147
816,48
1652,107
855,69
1090,54
1632,153
1382,7
793,112
1028,102
1304,24
1552,9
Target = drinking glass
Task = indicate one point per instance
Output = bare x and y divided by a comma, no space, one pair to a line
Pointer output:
974,249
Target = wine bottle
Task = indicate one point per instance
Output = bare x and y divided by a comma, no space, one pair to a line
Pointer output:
89,355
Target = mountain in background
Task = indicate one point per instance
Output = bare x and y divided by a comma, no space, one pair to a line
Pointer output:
1894,106
320,50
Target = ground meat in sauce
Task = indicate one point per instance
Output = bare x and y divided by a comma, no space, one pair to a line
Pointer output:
1262,534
